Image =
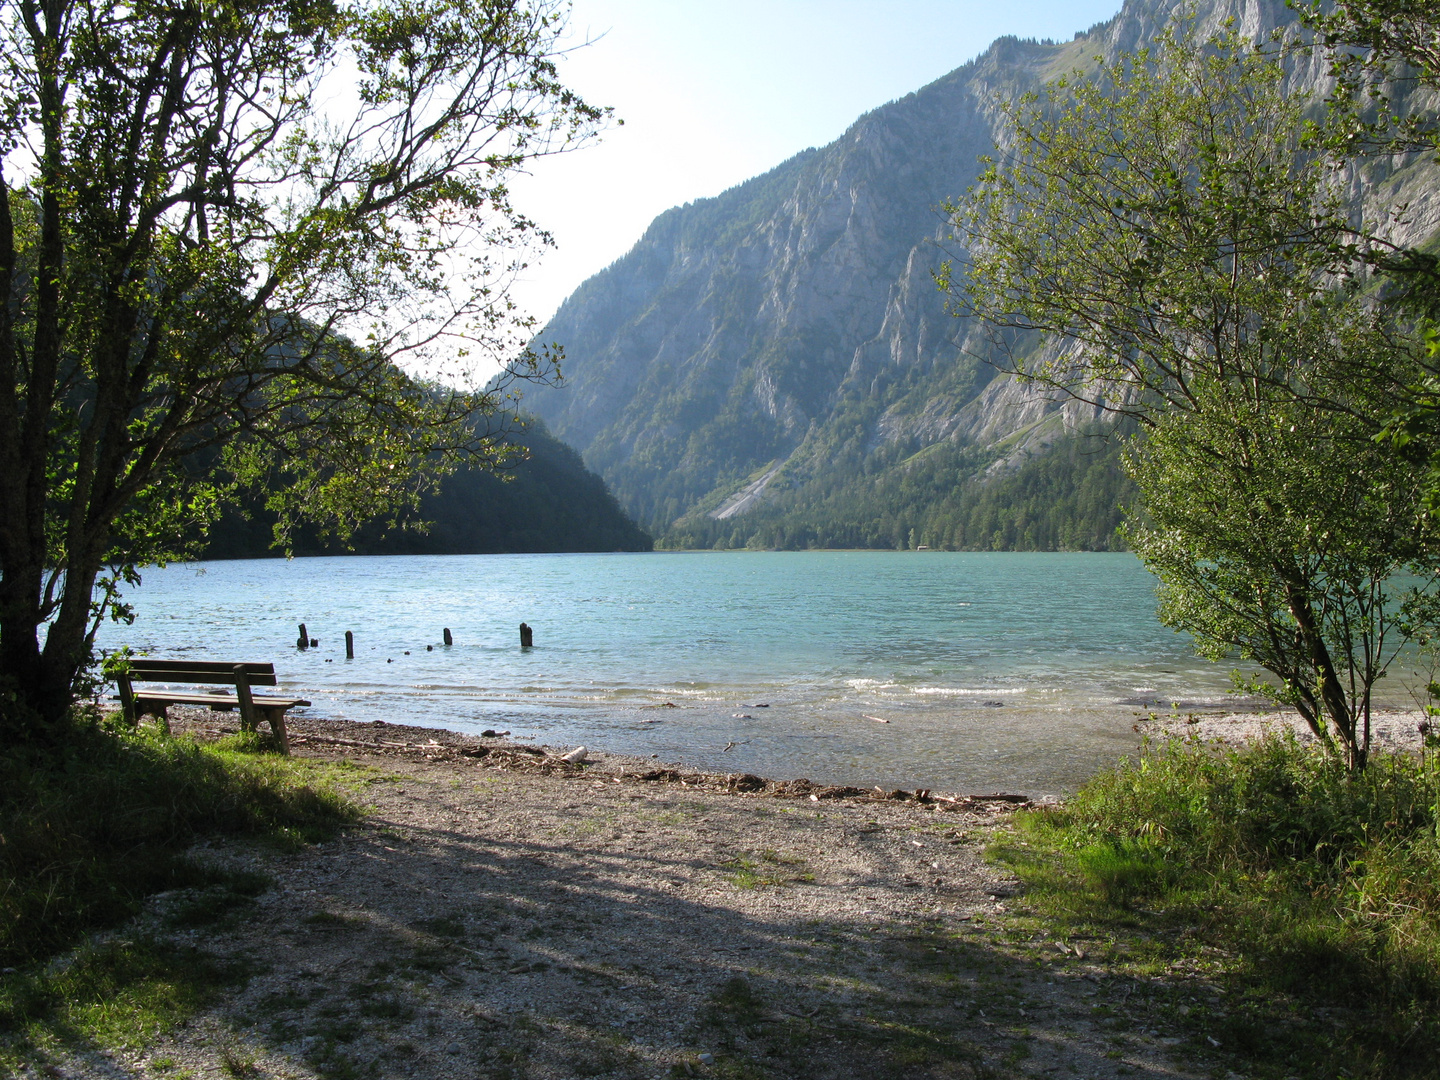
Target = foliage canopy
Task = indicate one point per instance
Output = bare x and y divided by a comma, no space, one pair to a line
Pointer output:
1173,217
221,226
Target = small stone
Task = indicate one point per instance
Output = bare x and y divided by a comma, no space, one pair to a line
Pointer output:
453,1048
489,733
707,1059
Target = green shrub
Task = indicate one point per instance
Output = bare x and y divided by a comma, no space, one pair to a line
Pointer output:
1303,890
1316,884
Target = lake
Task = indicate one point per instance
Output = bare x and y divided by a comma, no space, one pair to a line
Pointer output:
1014,671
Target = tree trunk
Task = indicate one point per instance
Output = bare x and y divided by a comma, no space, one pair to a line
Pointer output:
1332,695
25,715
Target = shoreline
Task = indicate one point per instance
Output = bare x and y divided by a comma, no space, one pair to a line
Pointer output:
443,744
1391,728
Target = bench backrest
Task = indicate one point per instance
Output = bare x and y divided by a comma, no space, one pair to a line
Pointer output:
199,671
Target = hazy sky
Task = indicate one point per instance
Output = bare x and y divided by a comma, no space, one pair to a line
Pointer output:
713,92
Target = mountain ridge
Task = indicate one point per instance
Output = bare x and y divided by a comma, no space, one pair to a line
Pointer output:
785,337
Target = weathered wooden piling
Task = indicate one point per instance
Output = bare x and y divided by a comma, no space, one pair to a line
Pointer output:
349,645
527,636
303,642
448,639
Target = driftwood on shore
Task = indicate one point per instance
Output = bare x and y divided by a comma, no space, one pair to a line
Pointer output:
522,758
536,759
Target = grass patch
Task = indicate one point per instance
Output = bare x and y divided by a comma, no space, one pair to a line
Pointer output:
119,993
768,869
92,829
1309,897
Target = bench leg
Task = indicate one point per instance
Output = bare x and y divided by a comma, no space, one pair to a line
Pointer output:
248,712
127,699
157,709
277,728
162,714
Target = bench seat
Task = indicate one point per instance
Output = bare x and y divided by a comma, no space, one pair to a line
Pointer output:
215,702
253,707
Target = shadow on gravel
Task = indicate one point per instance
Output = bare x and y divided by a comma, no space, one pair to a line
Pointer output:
440,954
451,952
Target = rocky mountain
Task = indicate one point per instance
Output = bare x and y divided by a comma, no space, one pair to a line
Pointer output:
763,362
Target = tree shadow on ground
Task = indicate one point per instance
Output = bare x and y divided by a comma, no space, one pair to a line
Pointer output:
469,950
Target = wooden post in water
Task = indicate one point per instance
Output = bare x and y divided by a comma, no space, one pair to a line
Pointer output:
527,636
349,645
304,641
448,639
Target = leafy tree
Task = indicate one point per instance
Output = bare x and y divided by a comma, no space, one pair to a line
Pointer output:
1166,215
222,225
1381,52
1171,218
1386,59
1282,532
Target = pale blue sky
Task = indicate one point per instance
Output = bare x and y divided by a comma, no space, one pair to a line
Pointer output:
713,93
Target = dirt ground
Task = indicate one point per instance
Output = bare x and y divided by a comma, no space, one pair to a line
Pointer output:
503,913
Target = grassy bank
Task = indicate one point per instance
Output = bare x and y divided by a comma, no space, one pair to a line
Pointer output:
1308,898
88,833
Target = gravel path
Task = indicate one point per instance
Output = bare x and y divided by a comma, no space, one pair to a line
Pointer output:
501,913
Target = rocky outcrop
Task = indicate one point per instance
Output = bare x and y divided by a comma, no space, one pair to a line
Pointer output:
747,338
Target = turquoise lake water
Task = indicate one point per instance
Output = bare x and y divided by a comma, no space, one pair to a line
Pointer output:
1012,671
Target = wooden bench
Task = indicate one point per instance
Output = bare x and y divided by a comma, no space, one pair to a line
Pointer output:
253,707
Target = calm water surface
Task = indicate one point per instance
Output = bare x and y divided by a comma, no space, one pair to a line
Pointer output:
994,670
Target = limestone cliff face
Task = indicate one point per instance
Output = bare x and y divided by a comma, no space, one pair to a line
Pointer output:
749,338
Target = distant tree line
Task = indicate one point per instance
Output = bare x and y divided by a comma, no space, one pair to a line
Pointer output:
1072,498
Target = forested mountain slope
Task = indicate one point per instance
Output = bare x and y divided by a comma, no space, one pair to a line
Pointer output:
551,502
775,366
